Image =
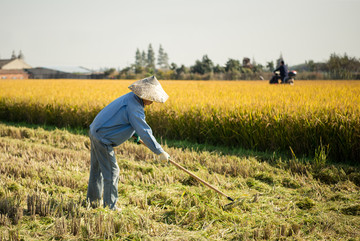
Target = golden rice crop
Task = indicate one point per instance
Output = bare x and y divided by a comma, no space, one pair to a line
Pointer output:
251,114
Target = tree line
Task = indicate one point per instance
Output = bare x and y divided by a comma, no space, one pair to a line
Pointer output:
148,63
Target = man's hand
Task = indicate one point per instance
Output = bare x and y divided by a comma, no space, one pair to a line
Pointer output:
164,157
136,138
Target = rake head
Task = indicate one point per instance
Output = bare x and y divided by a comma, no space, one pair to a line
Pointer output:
233,204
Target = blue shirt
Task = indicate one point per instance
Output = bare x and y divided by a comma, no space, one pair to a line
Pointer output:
119,120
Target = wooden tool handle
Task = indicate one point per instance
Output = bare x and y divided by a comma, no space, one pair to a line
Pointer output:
199,179
196,177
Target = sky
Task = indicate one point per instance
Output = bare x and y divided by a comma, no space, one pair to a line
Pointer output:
106,34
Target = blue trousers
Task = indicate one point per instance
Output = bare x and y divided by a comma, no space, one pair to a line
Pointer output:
104,174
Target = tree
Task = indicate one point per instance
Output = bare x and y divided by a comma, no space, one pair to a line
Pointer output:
138,62
110,73
21,55
203,66
233,68
181,70
270,66
126,73
208,64
138,58
143,59
160,56
232,65
173,66
166,61
13,56
219,69
311,65
342,67
163,59
257,68
151,58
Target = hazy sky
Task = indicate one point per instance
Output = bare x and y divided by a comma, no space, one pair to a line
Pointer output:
100,34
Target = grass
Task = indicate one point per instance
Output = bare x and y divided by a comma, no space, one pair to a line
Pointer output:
44,173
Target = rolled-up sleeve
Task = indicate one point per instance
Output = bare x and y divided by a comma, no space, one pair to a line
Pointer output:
137,120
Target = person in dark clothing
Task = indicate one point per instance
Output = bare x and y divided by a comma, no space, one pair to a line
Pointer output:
275,79
283,71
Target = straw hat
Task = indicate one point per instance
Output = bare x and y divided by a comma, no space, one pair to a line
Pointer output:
149,89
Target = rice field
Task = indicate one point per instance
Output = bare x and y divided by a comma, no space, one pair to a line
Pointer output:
298,120
44,173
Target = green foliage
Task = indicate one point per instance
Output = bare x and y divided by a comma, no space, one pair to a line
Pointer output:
138,60
150,58
232,65
163,59
110,73
270,66
321,154
202,67
219,69
342,67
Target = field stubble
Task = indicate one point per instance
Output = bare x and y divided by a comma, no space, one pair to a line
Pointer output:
43,177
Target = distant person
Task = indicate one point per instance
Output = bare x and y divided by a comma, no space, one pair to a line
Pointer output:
117,122
283,71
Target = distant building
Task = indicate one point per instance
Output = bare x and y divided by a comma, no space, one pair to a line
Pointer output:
14,68
13,74
247,63
13,64
56,73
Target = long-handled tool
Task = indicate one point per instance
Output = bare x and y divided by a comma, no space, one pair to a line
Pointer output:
227,206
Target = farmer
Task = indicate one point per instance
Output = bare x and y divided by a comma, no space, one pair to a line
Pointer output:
283,71
120,120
